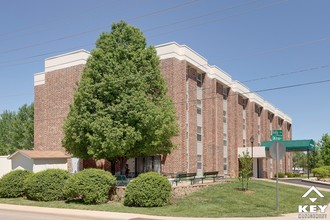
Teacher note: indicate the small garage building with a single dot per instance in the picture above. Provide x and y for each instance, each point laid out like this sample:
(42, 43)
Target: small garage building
(39, 160)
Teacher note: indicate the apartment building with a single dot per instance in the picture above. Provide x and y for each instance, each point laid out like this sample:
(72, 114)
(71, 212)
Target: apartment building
(217, 115)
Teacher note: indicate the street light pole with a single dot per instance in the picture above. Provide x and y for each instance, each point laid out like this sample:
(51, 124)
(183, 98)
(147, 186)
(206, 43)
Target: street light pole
(252, 140)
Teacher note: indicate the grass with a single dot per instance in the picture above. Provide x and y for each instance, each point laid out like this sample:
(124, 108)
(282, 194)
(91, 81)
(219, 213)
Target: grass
(224, 200)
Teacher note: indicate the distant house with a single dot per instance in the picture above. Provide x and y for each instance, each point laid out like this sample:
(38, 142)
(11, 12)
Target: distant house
(38, 160)
(5, 165)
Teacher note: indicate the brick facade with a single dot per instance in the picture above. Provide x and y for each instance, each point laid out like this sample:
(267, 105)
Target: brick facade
(54, 96)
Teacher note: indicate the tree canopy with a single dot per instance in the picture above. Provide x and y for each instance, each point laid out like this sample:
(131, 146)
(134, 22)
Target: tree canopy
(324, 145)
(120, 107)
(16, 130)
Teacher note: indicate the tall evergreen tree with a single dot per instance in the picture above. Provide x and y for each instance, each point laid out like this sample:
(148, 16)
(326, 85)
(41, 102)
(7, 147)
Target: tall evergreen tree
(16, 130)
(120, 108)
(23, 127)
(6, 132)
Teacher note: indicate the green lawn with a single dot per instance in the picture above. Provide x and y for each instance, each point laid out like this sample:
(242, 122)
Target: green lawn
(225, 200)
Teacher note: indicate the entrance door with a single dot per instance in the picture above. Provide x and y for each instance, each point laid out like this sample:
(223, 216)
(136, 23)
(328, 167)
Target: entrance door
(260, 168)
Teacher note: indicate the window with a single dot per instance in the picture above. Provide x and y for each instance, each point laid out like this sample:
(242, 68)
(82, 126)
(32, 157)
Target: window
(224, 120)
(199, 161)
(225, 136)
(224, 113)
(199, 102)
(244, 124)
(199, 110)
(199, 80)
(224, 142)
(224, 93)
(199, 133)
(225, 167)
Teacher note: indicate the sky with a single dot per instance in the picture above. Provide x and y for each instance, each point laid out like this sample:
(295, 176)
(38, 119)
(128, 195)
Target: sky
(263, 43)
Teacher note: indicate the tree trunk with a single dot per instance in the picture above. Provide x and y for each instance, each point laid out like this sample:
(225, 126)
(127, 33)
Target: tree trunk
(113, 166)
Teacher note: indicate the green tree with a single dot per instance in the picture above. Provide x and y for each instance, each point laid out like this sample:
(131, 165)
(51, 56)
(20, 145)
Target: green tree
(120, 108)
(315, 159)
(6, 132)
(324, 145)
(246, 163)
(23, 127)
(16, 130)
(299, 160)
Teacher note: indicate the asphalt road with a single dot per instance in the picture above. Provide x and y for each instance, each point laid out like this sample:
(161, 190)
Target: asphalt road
(298, 181)
(20, 215)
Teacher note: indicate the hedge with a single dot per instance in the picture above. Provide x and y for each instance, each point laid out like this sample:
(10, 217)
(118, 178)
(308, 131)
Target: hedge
(148, 190)
(91, 186)
(46, 185)
(11, 184)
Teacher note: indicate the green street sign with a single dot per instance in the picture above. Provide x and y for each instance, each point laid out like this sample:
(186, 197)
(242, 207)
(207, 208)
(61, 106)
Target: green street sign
(277, 132)
(277, 135)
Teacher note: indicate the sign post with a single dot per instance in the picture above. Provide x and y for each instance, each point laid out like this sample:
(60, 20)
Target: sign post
(277, 151)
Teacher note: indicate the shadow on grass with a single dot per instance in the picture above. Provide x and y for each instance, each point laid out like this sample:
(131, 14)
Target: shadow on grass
(246, 191)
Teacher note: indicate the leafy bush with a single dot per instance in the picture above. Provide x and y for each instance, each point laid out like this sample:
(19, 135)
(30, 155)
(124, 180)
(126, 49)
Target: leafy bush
(296, 175)
(327, 168)
(320, 172)
(90, 185)
(289, 175)
(148, 190)
(46, 185)
(11, 184)
(280, 175)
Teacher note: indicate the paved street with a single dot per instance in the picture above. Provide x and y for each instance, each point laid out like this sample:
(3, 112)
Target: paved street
(16, 212)
(300, 182)
(19, 215)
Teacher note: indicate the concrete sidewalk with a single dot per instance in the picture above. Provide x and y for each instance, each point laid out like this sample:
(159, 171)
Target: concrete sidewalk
(124, 216)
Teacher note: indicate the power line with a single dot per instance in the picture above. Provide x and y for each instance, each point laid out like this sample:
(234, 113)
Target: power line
(150, 14)
(66, 19)
(94, 29)
(256, 91)
(275, 50)
(261, 90)
(287, 74)
(201, 16)
(67, 37)
(221, 19)
(43, 54)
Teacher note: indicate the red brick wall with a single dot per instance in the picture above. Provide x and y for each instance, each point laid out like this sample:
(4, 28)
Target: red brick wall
(235, 131)
(53, 98)
(209, 123)
(52, 104)
(174, 72)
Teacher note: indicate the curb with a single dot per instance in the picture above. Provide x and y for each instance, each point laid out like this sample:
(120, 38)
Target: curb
(313, 181)
(86, 214)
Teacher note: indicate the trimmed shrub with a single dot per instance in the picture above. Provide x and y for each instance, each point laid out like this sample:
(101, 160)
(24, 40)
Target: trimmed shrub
(327, 168)
(91, 186)
(11, 184)
(148, 190)
(320, 172)
(280, 175)
(296, 175)
(46, 185)
(289, 175)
